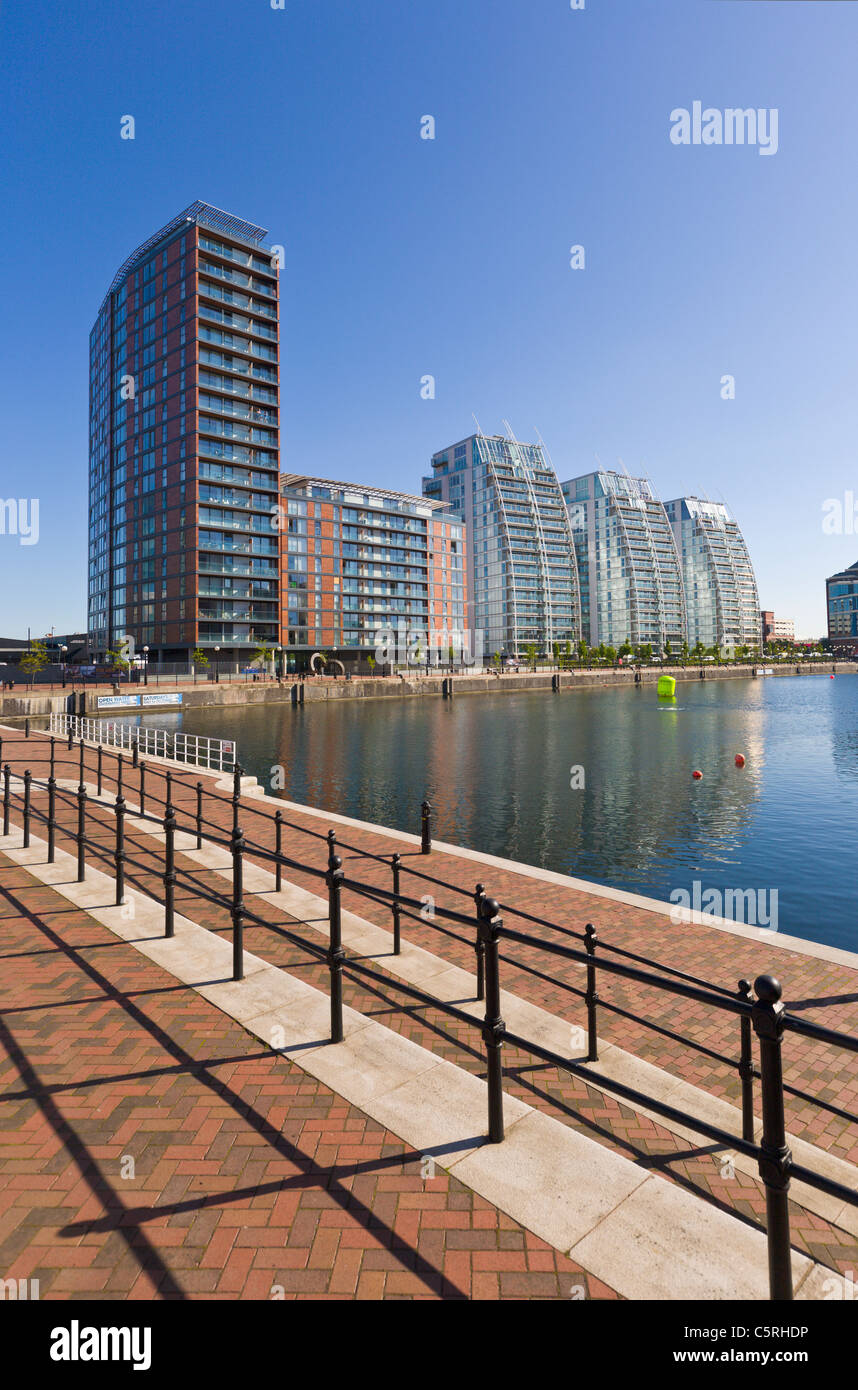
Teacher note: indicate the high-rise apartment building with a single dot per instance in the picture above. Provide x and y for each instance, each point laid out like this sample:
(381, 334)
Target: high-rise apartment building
(358, 560)
(183, 474)
(522, 575)
(722, 606)
(628, 566)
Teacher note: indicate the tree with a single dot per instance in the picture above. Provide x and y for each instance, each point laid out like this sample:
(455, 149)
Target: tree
(370, 661)
(118, 660)
(199, 658)
(568, 652)
(555, 649)
(531, 653)
(611, 655)
(583, 652)
(263, 655)
(35, 660)
(668, 650)
(684, 652)
(625, 650)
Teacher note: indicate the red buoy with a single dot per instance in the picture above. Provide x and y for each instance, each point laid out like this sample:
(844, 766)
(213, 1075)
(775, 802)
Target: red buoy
(740, 760)
(696, 775)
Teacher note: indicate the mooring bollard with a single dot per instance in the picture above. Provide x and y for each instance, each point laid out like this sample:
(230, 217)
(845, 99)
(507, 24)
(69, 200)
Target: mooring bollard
(493, 1026)
(746, 1065)
(28, 777)
(119, 851)
(199, 815)
(776, 1160)
(336, 954)
(237, 905)
(169, 869)
(81, 833)
(480, 945)
(426, 828)
(278, 849)
(396, 864)
(591, 996)
(7, 777)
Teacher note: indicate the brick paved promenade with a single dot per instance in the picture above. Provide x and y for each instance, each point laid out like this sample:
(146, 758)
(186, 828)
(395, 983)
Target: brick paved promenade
(822, 990)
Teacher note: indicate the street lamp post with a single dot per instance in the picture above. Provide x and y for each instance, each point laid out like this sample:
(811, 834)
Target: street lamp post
(217, 665)
(145, 665)
(63, 650)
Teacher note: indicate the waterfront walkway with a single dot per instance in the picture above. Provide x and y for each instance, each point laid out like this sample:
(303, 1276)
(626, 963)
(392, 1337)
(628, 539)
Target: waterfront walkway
(822, 985)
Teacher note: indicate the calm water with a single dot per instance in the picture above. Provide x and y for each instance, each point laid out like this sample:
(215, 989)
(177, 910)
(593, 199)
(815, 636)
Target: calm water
(497, 771)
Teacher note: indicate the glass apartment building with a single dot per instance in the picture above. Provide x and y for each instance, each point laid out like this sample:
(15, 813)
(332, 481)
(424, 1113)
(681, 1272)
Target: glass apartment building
(628, 566)
(184, 444)
(357, 560)
(522, 575)
(841, 597)
(721, 603)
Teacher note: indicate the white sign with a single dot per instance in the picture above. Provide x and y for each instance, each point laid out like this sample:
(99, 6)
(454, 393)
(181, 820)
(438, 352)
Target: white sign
(162, 699)
(118, 701)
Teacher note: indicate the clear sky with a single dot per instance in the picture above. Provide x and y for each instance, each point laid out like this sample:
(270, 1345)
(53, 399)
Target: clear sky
(407, 257)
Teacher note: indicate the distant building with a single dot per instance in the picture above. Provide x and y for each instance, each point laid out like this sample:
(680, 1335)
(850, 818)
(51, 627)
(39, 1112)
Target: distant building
(767, 623)
(777, 629)
(785, 628)
(841, 593)
(522, 575)
(628, 565)
(722, 608)
(357, 560)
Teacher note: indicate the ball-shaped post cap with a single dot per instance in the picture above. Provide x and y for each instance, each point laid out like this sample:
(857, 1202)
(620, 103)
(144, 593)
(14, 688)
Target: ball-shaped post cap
(336, 862)
(768, 989)
(489, 909)
(744, 986)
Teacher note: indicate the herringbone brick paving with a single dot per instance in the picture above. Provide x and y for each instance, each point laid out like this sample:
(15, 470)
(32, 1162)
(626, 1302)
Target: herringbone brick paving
(565, 1096)
(250, 1179)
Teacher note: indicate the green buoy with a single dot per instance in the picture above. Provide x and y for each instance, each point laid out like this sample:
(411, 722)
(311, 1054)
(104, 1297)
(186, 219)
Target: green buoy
(666, 688)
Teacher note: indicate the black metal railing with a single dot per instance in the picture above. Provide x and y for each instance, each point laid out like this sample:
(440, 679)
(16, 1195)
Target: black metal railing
(764, 1016)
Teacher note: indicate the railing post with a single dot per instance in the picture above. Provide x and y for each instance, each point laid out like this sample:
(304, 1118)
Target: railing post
(493, 1027)
(81, 833)
(278, 848)
(169, 868)
(7, 777)
(746, 1066)
(28, 777)
(776, 1159)
(119, 852)
(396, 865)
(426, 828)
(237, 905)
(143, 788)
(591, 997)
(135, 751)
(336, 954)
(236, 796)
(119, 773)
(199, 815)
(100, 771)
(332, 850)
(71, 734)
(480, 945)
(27, 727)
(53, 757)
(80, 764)
(52, 814)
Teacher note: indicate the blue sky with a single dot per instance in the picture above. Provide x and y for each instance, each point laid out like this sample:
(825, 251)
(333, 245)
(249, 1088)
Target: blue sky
(451, 257)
